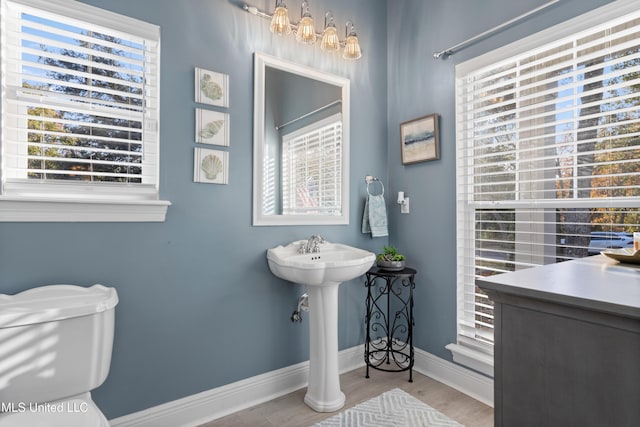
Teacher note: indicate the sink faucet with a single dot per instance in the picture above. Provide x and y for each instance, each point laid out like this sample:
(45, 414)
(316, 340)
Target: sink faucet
(312, 245)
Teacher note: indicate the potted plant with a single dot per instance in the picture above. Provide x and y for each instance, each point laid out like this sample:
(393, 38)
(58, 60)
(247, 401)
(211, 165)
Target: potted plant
(390, 259)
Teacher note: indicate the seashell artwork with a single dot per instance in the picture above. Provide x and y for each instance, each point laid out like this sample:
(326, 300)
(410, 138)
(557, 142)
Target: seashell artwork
(211, 87)
(210, 166)
(212, 127)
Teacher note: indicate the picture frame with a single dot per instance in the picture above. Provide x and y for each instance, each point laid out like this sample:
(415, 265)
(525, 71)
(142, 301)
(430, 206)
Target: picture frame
(212, 127)
(210, 166)
(211, 87)
(419, 139)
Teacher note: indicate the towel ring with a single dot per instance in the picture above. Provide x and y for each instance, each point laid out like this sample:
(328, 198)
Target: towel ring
(375, 180)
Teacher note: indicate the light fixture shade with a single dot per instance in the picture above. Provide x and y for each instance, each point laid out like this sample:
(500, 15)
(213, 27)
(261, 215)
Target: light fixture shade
(352, 48)
(330, 40)
(280, 23)
(306, 32)
(351, 44)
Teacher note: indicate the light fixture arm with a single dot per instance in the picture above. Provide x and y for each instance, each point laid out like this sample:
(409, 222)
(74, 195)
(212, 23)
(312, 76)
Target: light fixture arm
(349, 29)
(304, 9)
(328, 19)
(255, 11)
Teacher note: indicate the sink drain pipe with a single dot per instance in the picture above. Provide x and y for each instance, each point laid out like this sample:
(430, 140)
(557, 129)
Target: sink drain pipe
(303, 305)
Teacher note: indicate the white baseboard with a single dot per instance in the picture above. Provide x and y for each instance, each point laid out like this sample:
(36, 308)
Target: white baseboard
(472, 358)
(462, 379)
(197, 409)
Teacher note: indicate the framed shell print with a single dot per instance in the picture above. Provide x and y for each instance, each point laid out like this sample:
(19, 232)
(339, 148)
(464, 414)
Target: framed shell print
(211, 88)
(211, 166)
(212, 127)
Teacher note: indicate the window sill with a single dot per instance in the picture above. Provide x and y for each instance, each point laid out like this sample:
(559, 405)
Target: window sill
(20, 209)
(471, 358)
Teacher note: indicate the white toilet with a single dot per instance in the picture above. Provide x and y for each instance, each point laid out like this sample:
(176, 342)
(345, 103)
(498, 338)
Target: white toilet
(55, 347)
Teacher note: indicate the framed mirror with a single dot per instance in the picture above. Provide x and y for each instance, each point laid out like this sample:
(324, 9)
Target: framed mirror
(300, 145)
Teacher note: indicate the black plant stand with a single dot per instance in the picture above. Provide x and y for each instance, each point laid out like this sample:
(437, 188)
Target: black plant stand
(389, 320)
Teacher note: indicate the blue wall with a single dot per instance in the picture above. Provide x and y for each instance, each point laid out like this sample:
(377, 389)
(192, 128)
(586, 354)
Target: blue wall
(419, 85)
(198, 306)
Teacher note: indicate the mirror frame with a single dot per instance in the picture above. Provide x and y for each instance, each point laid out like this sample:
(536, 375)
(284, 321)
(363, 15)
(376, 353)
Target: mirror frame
(261, 62)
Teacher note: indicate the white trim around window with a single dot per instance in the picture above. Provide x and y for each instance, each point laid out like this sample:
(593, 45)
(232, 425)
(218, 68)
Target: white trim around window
(56, 210)
(547, 158)
(80, 114)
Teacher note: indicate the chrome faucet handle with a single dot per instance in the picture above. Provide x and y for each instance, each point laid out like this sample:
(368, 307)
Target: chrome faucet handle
(313, 244)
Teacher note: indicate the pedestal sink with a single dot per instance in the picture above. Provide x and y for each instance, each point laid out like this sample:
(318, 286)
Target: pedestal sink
(321, 273)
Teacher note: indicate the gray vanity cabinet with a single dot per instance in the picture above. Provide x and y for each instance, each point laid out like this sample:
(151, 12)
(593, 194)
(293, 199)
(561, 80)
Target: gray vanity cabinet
(567, 345)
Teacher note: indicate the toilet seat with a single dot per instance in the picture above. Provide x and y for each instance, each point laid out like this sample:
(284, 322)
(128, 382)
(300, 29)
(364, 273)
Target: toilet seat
(73, 412)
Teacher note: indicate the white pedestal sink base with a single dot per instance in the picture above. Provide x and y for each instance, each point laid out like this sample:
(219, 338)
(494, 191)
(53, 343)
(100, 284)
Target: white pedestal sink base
(323, 392)
(321, 271)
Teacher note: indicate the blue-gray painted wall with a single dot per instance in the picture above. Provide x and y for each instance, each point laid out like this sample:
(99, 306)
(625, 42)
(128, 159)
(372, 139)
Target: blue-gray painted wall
(419, 85)
(198, 306)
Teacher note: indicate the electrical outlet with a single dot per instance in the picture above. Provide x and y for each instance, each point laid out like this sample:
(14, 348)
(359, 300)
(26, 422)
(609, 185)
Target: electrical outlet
(404, 208)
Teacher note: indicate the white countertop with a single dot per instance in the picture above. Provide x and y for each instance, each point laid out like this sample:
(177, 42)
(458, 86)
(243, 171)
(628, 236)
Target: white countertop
(596, 282)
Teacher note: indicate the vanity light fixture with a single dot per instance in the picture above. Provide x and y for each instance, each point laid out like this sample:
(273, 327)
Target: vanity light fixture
(305, 32)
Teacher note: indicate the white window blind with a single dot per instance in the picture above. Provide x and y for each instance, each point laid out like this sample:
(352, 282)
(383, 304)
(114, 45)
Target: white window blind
(80, 102)
(548, 158)
(311, 172)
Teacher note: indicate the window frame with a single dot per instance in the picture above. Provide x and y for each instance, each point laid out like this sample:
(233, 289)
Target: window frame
(468, 351)
(107, 202)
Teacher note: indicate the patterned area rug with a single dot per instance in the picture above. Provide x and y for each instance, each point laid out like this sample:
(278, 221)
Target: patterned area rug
(395, 408)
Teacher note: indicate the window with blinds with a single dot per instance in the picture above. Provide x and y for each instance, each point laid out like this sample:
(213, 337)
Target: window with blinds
(311, 172)
(548, 158)
(80, 102)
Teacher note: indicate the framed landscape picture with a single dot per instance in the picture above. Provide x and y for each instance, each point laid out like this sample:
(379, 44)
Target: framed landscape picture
(419, 141)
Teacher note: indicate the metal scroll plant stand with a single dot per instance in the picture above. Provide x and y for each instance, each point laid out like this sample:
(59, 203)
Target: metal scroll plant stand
(389, 320)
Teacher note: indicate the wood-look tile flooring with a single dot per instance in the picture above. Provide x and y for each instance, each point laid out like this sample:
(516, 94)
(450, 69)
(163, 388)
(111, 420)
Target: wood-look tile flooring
(290, 410)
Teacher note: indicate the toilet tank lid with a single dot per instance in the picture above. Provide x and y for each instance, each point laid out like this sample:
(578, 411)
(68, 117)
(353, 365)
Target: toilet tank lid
(54, 302)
